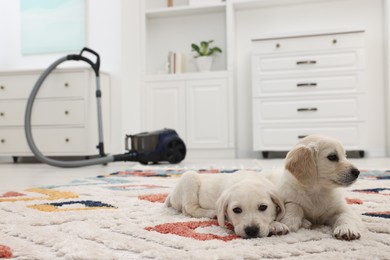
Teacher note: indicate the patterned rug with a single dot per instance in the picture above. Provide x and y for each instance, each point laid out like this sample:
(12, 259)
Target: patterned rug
(121, 216)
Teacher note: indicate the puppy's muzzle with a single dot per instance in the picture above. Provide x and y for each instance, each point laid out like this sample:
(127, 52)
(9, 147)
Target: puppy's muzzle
(252, 231)
(349, 177)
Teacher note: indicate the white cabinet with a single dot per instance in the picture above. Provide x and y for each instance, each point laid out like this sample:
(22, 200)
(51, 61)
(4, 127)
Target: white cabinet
(207, 113)
(308, 84)
(165, 106)
(196, 108)
(64, 117)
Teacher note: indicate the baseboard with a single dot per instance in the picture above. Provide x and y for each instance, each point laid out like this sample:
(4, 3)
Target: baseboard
(211, 153)
(248, 154)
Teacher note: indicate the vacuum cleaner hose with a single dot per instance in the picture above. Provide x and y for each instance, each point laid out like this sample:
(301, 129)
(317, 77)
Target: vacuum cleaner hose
(27, 122)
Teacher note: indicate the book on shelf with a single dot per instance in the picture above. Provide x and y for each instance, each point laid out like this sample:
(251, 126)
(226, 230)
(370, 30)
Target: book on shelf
(176, 62)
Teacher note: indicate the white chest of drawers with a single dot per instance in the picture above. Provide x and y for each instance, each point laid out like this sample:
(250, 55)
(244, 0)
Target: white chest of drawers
(64, 118)
(308, 84)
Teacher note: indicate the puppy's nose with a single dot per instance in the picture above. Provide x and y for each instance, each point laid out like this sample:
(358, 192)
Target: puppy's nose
(355, 172)
(252, 231)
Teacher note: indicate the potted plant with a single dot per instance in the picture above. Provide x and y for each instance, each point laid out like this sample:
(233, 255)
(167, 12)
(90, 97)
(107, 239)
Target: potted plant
(204, 53)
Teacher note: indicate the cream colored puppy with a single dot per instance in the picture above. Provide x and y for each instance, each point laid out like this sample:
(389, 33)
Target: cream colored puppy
(314, 170)
(246, 199)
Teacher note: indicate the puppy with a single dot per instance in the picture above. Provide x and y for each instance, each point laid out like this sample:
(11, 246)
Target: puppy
(314, 170)
(246, 199)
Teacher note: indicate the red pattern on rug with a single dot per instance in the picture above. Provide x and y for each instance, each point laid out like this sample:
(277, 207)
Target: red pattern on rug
(187, 229)
(12, 194)
(159, 197)
(354, 201)
(5, 252)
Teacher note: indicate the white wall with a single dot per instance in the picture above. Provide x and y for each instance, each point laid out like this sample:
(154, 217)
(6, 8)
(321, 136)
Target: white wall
(113, 31)
(131, 68)
(106, 34)
(320, 15)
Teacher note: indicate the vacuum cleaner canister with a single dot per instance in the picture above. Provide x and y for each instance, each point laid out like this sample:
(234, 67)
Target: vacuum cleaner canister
(157, 146)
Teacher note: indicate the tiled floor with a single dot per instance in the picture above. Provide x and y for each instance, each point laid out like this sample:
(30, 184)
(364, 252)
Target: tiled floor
(22, 175)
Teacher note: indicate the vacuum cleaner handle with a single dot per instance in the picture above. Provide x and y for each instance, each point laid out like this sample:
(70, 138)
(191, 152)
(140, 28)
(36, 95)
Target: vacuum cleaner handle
(97, 63)
(95, 66)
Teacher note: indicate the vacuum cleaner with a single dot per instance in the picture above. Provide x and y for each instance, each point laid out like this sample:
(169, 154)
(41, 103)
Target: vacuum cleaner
(148, 147)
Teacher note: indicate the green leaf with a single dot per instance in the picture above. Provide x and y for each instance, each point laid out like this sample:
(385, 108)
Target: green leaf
(196, 49)
(204, 48)
(214, 50)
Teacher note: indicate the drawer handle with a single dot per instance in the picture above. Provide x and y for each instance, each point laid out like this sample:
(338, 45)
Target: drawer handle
(2, 141)
(308, 84)
(306, 62)
(67, 140)
(307, 109)
(66, 112)
(301, 136)
(2, 87)
(2, 114)
(66, 84)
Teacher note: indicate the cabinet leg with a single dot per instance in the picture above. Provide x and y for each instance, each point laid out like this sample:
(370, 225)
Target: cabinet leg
(15, 159)
(265, 154)
(361, 153)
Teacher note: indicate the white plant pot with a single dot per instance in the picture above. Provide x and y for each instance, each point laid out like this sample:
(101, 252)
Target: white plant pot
(204, 63)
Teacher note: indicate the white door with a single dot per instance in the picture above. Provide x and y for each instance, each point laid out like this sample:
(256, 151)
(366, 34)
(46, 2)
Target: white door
(165, 106)
(207, 113)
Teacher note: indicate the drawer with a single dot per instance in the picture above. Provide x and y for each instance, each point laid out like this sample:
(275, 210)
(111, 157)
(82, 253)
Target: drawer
(340, 82)
(294, 43)
(335, 108)
(57, 84)
(55, 141)
(284, 138)
(309, 62)
(45, 112)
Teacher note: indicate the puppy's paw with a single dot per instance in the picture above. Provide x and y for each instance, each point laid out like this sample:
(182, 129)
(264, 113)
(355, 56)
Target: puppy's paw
(306, 224)
(346, 232)
(277, 228)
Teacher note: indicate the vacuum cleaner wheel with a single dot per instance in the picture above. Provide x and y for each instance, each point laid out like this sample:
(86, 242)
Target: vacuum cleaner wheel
(175, 151)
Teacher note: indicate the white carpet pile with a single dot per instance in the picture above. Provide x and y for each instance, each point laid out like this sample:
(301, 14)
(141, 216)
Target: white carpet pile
(120, 216)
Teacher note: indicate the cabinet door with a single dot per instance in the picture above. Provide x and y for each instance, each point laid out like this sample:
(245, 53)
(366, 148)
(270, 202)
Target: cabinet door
(165, 106)
(207, 113)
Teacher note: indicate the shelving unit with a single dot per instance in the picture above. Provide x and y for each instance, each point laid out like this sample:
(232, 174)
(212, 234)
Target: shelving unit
(174, 29)
(164, 32)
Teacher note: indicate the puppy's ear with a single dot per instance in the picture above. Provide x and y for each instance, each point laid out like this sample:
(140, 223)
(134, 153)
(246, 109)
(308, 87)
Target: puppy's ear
(280, 208)
(301, 163)
(222, 204)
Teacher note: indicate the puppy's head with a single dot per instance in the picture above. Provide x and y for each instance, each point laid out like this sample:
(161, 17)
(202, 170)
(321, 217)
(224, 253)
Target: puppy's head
(320, 160)
(250, 207)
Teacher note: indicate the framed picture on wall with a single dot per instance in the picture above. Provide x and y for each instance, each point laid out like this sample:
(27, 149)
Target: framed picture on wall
(49, 26)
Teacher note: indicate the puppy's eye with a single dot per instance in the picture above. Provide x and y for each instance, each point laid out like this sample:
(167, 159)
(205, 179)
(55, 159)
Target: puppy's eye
(237, 210)
(333, 157)
(263, 207)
